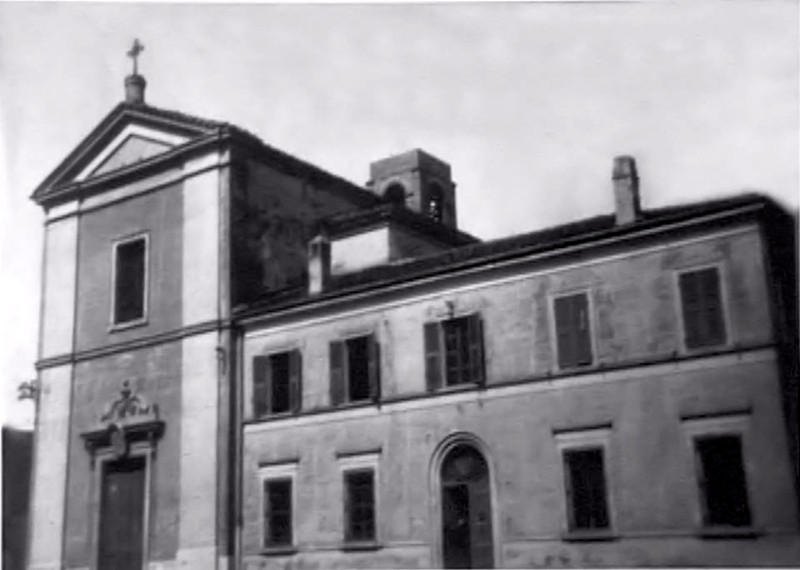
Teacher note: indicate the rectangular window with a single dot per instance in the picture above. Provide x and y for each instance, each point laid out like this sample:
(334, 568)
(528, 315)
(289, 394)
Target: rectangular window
(277, 512)
(454, 352)
(701, 304)
(722, 481)
(130, 274)
(277, 383)
(573, 330)
(359, 505)
(355, 370)
(585, 483)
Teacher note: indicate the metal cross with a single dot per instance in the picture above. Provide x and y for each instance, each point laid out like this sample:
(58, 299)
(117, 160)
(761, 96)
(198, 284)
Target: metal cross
(134, 52)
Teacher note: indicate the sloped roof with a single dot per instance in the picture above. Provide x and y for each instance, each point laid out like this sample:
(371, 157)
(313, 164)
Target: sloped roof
(582, 232)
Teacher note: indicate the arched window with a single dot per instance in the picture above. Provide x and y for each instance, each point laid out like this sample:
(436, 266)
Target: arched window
(435, 202)
(395, 193)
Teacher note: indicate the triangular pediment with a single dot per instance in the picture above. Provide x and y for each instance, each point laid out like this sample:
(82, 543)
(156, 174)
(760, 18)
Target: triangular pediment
(129, 135)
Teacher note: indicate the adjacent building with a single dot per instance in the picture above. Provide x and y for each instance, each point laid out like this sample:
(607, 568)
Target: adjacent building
(248, 362)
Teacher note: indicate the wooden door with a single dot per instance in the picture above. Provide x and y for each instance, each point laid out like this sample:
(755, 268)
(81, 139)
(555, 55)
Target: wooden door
(466, 510)
(122, 514)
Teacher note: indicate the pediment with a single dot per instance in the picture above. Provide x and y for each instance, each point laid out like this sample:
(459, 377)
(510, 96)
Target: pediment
(127, 136)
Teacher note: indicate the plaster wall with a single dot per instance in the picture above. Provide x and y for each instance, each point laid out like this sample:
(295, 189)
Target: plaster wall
(58, 304)
(361, 250)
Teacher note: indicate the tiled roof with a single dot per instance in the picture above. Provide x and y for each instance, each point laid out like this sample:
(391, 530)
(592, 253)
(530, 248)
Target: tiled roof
(549, 239)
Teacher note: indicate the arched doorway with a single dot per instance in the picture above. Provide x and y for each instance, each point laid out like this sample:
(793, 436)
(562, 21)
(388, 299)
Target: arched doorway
(466, 509)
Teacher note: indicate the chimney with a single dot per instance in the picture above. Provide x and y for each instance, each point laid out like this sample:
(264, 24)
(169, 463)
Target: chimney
(319, 263)
(626, 190)
(134, 89)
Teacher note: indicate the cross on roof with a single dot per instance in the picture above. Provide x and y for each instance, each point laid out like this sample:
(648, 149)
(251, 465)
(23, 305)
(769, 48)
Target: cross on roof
(134, 52)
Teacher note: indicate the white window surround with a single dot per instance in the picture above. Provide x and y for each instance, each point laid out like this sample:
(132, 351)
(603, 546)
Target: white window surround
(274, 472)
(723, 291)
(114, 326)
(553, 330)
(584, 439)
(362, 462)
(722, 423)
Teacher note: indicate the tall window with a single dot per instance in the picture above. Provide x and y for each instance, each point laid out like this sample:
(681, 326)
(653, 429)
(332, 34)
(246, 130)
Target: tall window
(130, 274)
(355, 370)
(454, 352)
(585, 484)
(573, 330)
(722, 481)
(435, 202)
(359, 505)
(701, 304)
(277, 383)
(277, 525)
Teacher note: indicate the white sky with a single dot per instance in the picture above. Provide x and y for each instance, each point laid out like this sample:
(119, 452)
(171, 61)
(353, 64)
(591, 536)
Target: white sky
(528, 102)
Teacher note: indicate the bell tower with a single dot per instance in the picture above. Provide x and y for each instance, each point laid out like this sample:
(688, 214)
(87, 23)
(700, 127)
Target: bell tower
(419, 181)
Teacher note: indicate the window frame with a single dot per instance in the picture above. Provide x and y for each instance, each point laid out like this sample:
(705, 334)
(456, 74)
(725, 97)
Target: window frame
(295, 407)
(360, 463)
(552, 297)
(708, 426)
(441, 353)
(724, 307)
(586, 439)
(277, 472)
(116, 244)
(373, 347)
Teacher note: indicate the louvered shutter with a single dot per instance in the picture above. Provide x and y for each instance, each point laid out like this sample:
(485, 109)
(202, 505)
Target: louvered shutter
(712, 305)
(476, 359)
(337, 358)
(690, 304)
(563, 315)
(701, 480)
(433, 356)
(266, 512)
(348, 509)
(295, 381)
(374, 368)
(480, 514)
(262, 372)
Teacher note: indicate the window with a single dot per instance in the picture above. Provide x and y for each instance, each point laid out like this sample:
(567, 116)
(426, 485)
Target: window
(585, 485)
(722, 481)
(701, 305)
(277, 383)
(277, 512)
(130, 280)
(435, 202)
(355, 370)
(359, 505)
(396, 194)
(454, 352)
(573, 330)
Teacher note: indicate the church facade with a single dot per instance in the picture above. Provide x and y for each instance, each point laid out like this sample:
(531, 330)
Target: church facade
(249, 362)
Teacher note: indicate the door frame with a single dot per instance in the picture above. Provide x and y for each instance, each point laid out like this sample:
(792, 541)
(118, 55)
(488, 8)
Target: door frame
(435, 492)
(139, 449)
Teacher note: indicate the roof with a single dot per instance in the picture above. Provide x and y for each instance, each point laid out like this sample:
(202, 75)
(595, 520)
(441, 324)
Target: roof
(355, 220)
(582, 232)
(202, 130)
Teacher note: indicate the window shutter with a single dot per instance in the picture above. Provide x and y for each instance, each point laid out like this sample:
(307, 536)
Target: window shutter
(690, 304)
(563, 315)
(433, 356)
(295, 381)
(568, 491)
(476, 340)
(265, 538)
(480, 514)
(582, 329)
(337, 352)
(374, 368)
(262, 372)
(701, 480)
(348, 510)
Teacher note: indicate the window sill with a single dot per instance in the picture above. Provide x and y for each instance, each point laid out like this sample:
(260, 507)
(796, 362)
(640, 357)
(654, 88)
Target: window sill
(115, 327)
(728, 532)
(278, 551)
(589, 535)
(361, 546)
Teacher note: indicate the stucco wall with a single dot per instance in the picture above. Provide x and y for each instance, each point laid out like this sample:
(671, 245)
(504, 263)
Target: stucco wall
(160, 215)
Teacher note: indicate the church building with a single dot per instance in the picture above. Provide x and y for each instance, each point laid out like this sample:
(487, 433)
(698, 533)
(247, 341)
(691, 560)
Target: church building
(248, 362)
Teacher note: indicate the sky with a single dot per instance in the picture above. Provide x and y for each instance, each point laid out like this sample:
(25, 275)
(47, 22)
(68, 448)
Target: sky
(529, 103)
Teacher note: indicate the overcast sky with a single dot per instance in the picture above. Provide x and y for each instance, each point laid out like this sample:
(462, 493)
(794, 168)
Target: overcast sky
(529, 103)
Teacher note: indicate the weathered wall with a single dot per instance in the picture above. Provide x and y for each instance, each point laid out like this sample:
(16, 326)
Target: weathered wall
(274, 216)
(635, 317)
(361, 250)
(406, 244)
(160, 214)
